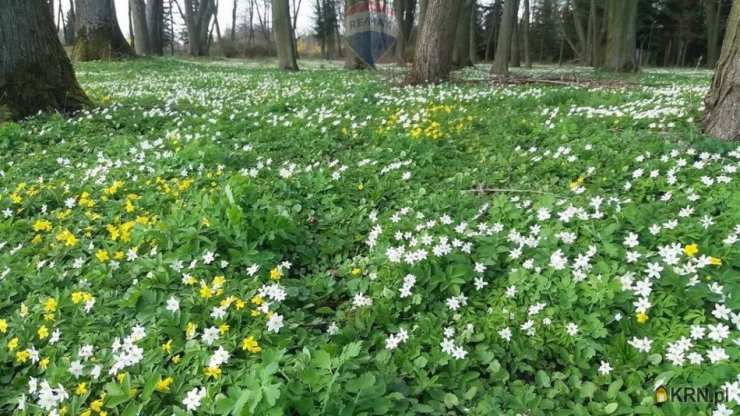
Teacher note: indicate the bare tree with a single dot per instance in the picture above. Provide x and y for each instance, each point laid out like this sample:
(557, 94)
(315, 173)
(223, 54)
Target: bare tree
(35, 73)
(97, 34)
(197, 16)
(155, 25)
(722, 117)
(433, 58)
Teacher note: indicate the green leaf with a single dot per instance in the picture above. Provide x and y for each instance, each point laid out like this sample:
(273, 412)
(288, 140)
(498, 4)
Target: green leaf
(611, 408)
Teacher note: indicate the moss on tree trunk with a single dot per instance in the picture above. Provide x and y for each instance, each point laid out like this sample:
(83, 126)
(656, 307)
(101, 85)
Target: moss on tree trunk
(97, 35)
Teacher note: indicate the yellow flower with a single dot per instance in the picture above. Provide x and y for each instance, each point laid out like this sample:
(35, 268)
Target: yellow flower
(250, 344)
(81, 389)
(102, 255)
(50, 305)
(205, 222)
(86, 412)
(22, 356)
(576, 183)
(113, 188)
(176, 359)
(67, 238)
(239, 304)
(190, 280)
(164, 385)
(113, 231)
(42, 332)
(219, 281)
(205, 291)
(44, 363)
(642, 317)
(37, 239)
(691, 250)
(223, 328)
(97, 405)
(167, 347)
(213, 372)
(86, 201)
(275, 274)
(257, 300)
(190, 329)
(120, 377)
(119, 255)
(356, 271)
(15, 198)
(714, 261)
(3, 326)
(42, 225)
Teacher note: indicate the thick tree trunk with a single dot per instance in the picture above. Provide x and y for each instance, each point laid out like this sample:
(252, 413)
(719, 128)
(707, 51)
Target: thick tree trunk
(197, 17)
(283, 35)
(97, 34)
(503, 44)
(35, 73)
(434, 48)
(621, 38)
(461, 51)
(722, 117)
(141, 32)
(155, 25)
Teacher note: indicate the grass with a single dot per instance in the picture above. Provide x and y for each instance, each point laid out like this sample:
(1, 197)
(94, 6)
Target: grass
(217, 238)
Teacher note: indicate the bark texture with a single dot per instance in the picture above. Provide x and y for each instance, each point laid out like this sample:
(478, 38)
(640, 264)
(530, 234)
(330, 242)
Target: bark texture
(35, 73)
(97, 34)
(155, 25)
(461, 51)
(198, 14)
(621, 37)
(140, 30)
(722, 117)
(283, 35)
(503, 44)
(433, 58)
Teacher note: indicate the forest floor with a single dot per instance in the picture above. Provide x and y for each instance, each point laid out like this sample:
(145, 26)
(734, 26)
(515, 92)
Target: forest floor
(218, 238)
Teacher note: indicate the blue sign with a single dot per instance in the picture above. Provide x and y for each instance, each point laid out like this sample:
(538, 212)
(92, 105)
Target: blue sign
(371, 29)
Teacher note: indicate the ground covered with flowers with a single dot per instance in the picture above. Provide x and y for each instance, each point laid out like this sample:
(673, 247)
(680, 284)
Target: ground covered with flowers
(227, 240)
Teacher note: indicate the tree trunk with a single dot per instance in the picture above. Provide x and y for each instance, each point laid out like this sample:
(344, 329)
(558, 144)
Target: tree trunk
(712, 13)
(233, 21)
(503, 44)
(155, 25)
(515, 59)
(283, 35)
(35, 73)
(97, 34)
(434, 47)
(461, 51)
(621, 38)
(197, 17)
(405, 13)
(525, 35)
(722, 117)
(140, 30)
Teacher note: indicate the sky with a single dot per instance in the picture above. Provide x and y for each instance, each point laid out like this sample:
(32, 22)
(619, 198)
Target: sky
(304, 26)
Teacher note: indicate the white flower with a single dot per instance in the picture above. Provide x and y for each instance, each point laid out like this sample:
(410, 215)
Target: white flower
(642, 345)
(558, 261)
(571, 329)
(717, 354)
(275, 323)
(718, 332)
(173, 305)
(208, 257)
(75, 368)
(210, 335)
(605, 368)
(505, 333)
(193, 398)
